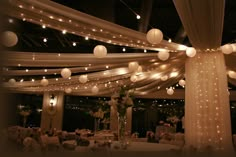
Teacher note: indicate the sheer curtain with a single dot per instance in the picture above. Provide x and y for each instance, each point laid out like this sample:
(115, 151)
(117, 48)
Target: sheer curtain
(57, 118)
(207, 109)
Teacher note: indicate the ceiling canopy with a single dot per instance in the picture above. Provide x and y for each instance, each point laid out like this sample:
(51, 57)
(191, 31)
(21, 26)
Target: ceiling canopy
(54, 36)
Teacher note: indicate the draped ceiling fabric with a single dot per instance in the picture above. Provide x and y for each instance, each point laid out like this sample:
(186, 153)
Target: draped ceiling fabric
(47, 13)
(106, 79)
(207, 109)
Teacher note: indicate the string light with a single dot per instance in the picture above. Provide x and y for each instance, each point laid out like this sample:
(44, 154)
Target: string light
(138, 17)
(10, 20)
(64, 31)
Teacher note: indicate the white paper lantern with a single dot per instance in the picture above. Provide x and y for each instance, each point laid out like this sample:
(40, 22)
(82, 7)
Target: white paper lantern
(65, 73)
(95, 89)
(164, 78)
(170, 91)
(182, 82)
(191, 52)
(100, 51)
(232, 74)
(133, 66)
(234, 47)
(12, 81)
(226, 49)
(44, 82)
(68, 90)
(9, 38)
(133, 78)
(154, 36)
(163, 55)
(83, 78)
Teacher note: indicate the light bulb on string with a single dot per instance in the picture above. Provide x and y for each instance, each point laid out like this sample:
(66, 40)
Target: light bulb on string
(138, 17)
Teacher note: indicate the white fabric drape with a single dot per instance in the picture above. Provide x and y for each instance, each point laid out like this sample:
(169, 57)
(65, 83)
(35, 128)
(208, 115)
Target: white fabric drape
(81, 24)
(207, 109)
(203, 21)
(57, 118)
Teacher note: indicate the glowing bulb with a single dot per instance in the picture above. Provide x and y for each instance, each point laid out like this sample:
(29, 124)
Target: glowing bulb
(64, 31)
(138, 17)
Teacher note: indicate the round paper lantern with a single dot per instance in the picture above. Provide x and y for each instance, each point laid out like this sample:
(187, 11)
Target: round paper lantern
(182, 82)
(9, 38)
(95, 89)
(133, 66)
(191, 52)
(154, 36)
(68, 90)
(83, 78)
(234, 47)
(232, 74)
(170, 91)
(65, 73)
(133, 78)
(226, 49)
(12, 81)
(44, 82)
(164, 78)
(100, 51)
(163, 55)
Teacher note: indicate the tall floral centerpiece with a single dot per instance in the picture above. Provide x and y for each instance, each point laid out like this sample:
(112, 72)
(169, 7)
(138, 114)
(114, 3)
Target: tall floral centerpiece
(24, 111)
(122, 100)
(173, 120)
(100, 114)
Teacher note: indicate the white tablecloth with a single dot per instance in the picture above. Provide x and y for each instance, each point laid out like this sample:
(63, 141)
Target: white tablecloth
(138, 147)
(144, 146)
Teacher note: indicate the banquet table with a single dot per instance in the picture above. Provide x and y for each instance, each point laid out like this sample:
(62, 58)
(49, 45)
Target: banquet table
(134, 149)
(141, 149)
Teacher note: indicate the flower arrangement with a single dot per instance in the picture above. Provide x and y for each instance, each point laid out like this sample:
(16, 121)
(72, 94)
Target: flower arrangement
(98, 114)
(122, 100)
(101, 114)
(101, 110)
(173, 119)
(24, 111)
